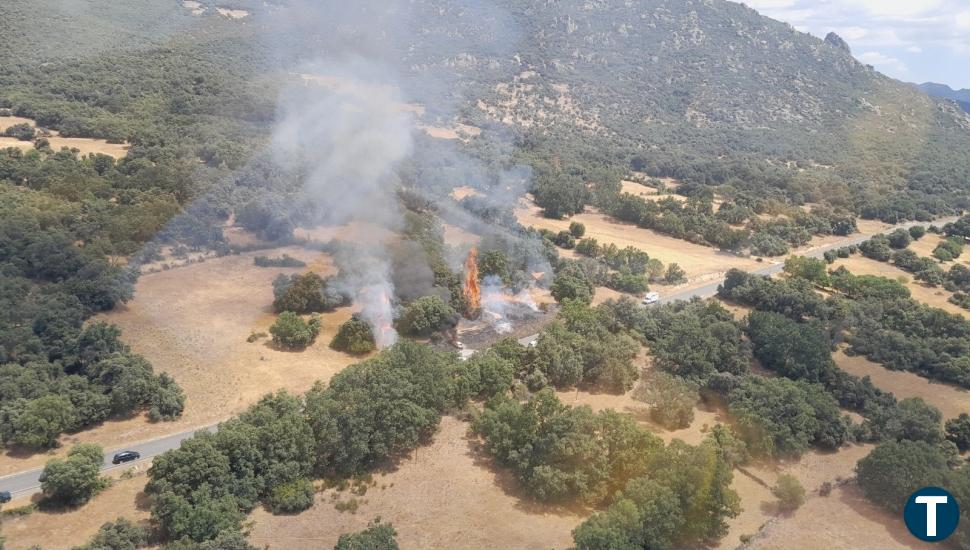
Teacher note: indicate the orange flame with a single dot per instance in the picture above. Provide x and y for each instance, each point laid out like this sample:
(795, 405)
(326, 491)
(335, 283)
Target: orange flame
(472, 291)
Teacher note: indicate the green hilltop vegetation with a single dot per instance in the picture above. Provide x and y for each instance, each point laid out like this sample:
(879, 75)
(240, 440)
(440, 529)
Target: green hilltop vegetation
(730, 104)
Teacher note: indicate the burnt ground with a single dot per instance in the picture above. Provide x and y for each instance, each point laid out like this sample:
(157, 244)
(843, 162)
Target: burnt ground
(478, 335)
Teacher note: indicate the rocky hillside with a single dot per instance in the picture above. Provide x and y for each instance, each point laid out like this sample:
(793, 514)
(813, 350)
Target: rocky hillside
(962, 97)
(702, 90)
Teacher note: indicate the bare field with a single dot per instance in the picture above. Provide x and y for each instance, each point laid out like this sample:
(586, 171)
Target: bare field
(459, 193)
(458, 131)
(232, 14)
(843, 520)
(85, 146)
(951, 400)
(926, 245)
(935, 297)
(192, 322)
(752, 482)
(604, 294)
(455, 235)
(447, 495)
(648, 193)
(359, 232)
(65, 529)
(700, 262)
(195, 7)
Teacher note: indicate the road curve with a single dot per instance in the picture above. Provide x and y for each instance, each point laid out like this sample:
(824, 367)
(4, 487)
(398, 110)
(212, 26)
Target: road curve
(28, 482)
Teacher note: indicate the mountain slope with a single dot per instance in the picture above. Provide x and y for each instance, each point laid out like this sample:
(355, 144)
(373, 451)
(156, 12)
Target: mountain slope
(707, 91)
(962, 97)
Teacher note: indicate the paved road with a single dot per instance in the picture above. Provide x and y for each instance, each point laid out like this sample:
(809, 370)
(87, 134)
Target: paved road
(27, 482)
(771, 267)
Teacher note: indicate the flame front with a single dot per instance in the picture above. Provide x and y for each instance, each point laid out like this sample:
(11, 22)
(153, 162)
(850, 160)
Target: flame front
(472, 291)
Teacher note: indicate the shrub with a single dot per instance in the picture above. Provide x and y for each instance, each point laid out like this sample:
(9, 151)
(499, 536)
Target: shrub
(427, 315)
(292, 497)
(285, 261)
(900, 239)
(119, 535)
(307, 293)
(290, 331)
(377, 536)
(671, 399)
(950, 249)
(675, 275)
(764, 244)
(22, 131)
(577, 229)
(74, 480)
(958, 431)
(582, 455)
(486, 374)
(565, 239)
(877, 248)
(917, 232)
(588, 247)
(354, 337)
(778, 417)
(573, 284)
(789, 492)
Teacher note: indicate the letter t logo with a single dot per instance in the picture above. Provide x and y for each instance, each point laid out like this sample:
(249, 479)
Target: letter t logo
(930, 502)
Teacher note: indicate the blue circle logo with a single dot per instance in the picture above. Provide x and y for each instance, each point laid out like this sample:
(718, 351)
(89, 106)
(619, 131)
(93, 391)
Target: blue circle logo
(931, 514)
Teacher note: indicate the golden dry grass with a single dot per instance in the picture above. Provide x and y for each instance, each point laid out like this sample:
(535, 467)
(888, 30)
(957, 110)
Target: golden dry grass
(455, 235)
(702, 263)
(951, 400)
(448, 495)
(935, 297)
(85, 146)
(459, 193)
(57, 530)
(843, 520)
(192, 322)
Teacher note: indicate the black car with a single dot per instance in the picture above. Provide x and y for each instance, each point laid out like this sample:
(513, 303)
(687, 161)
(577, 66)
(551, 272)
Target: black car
(125, 456)
(5, 497)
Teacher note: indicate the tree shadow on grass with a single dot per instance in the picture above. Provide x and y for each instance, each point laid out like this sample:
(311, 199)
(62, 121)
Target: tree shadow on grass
(506, 481)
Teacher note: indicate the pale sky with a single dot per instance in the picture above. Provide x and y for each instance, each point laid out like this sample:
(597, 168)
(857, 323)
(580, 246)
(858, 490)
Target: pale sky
(911, 40)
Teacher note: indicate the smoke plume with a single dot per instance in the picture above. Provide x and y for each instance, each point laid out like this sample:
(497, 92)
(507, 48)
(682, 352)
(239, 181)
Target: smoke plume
(348, 140)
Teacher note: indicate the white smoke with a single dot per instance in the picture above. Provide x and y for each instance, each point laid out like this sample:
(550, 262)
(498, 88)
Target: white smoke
(349, 140)
(498, 303)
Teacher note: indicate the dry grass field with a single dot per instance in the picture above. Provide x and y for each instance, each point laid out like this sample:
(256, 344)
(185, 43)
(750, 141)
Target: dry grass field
(935, 297)
(951, 400)
(446, 496)
(701, 263)
(192, 322)
(85, 146)
(843, 520)
(61, 530)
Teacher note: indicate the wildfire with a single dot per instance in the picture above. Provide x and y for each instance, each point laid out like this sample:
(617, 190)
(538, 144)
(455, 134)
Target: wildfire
(472, 290)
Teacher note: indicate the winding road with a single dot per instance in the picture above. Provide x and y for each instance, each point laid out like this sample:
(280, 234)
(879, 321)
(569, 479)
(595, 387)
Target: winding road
(27, 483)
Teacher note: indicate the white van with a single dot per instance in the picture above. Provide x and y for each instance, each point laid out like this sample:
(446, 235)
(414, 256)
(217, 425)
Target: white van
(651, 298)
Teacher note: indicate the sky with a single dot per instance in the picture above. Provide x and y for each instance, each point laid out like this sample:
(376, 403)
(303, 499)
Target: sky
(911, 40)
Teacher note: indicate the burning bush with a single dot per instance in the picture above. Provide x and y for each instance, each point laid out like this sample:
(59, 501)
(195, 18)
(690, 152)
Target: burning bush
(290, 331)
(355, 337)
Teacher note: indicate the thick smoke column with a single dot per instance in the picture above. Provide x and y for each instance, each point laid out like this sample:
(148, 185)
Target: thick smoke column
(348, 141)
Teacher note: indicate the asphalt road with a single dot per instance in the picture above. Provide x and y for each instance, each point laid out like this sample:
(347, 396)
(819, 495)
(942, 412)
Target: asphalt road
(28, 482)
